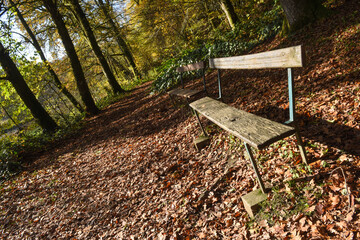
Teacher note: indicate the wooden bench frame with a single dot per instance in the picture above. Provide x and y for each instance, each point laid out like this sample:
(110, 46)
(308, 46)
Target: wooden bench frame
(253, 130)
(188, 93)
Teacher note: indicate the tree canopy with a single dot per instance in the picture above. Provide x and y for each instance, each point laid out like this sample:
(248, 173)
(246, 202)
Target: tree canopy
(91, 49)
(76, 55)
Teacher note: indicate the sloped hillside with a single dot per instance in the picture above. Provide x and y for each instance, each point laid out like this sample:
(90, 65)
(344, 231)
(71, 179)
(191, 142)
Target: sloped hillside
(132, 171)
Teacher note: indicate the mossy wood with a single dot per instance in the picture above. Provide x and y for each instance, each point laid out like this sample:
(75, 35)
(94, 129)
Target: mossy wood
(257, 131)
(252, 201)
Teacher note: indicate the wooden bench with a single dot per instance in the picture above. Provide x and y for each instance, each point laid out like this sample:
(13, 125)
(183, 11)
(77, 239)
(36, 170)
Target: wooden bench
(253, 130)
(188, 93)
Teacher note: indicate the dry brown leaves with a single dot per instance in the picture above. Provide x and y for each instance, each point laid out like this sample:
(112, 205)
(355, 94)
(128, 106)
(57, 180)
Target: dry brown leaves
(132, 172)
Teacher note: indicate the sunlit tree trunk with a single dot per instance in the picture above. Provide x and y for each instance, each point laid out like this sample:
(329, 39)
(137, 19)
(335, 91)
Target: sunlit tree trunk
(230, 13)
(36, 45)
(301, 12)
(120, 41)
(18, 82)
(81, 17)
(82, 85)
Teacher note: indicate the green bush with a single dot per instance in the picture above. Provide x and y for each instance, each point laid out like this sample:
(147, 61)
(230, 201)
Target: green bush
(14, 145)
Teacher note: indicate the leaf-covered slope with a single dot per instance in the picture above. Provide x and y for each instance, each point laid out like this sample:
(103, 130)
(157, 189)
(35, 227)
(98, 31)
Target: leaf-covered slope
(132, 171)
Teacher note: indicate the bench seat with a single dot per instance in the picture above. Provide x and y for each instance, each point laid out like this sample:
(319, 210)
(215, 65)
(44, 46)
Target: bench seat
(187, 93)
(256, 131)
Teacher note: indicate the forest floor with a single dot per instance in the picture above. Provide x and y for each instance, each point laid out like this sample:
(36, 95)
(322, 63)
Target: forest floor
(132, 171)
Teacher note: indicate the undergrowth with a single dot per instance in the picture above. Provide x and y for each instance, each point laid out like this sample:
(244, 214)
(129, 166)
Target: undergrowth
(246, 35)
(13, 146)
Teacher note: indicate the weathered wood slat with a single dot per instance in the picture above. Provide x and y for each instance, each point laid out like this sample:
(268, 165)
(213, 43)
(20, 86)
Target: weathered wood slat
(281, 58)
(191, 67)
(188, 93)
(257, 131)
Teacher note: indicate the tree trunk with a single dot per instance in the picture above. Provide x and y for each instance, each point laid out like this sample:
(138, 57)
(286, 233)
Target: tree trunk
(120, 41)
(210, 19)
(18, 82)
(301, 12)
(230, 13)
(81, 17)
(36, 45)
(9, 116)
(82, 85)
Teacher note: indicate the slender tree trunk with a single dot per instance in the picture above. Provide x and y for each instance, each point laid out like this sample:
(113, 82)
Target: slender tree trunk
(18, 82)
(209, 18)
(117, 65)
(230, 13)
(82, 85)
(120, 41)
(36, 45)
(81, 17)
(9, 116)
(301, 12)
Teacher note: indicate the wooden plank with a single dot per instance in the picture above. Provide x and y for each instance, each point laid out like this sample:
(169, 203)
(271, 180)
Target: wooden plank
(257, 131)
(281, 58)
(191, 67)
(188, 93)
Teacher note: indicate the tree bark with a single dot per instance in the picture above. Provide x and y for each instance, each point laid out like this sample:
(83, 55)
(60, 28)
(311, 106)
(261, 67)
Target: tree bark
(36, 45)
(230, 13)
(120, 41)
(81, 17)
(18, 82)
(301, 12)
(82, 85)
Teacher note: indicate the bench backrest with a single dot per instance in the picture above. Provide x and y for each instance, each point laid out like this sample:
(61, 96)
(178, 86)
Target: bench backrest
(282, 58)
(192, 67)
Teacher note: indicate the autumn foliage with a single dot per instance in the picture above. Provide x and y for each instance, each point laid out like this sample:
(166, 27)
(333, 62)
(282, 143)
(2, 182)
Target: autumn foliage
(132, 172)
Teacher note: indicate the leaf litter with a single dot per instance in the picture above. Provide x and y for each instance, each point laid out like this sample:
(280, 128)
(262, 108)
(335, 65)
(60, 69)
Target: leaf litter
(132, 172)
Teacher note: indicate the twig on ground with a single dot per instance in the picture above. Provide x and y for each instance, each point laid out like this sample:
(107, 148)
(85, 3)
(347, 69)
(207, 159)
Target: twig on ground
(346, 186)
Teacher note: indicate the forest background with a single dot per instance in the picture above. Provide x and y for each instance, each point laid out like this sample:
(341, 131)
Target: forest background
(78, 56)
(64, 60)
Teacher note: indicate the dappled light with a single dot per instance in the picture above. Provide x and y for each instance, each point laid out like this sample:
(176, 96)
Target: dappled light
(101, 136)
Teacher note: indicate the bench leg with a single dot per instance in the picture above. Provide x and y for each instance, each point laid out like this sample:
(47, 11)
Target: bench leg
(201, 126)
(248, 149)
(301, 145)
(188, 105)
(172, 100)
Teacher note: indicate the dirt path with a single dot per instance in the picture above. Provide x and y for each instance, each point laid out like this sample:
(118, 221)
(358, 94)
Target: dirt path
(132, 171)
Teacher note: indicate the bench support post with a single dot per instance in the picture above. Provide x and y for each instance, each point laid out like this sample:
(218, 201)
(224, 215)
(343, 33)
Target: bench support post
(252, 160)
(292, 115)
(219, 83)
(300, 145)
(182, 81)
(291, 96)
(203, 77)
(201, 126)
(172, 100)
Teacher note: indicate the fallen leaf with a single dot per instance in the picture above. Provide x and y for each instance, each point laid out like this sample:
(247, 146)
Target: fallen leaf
(349, 216)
